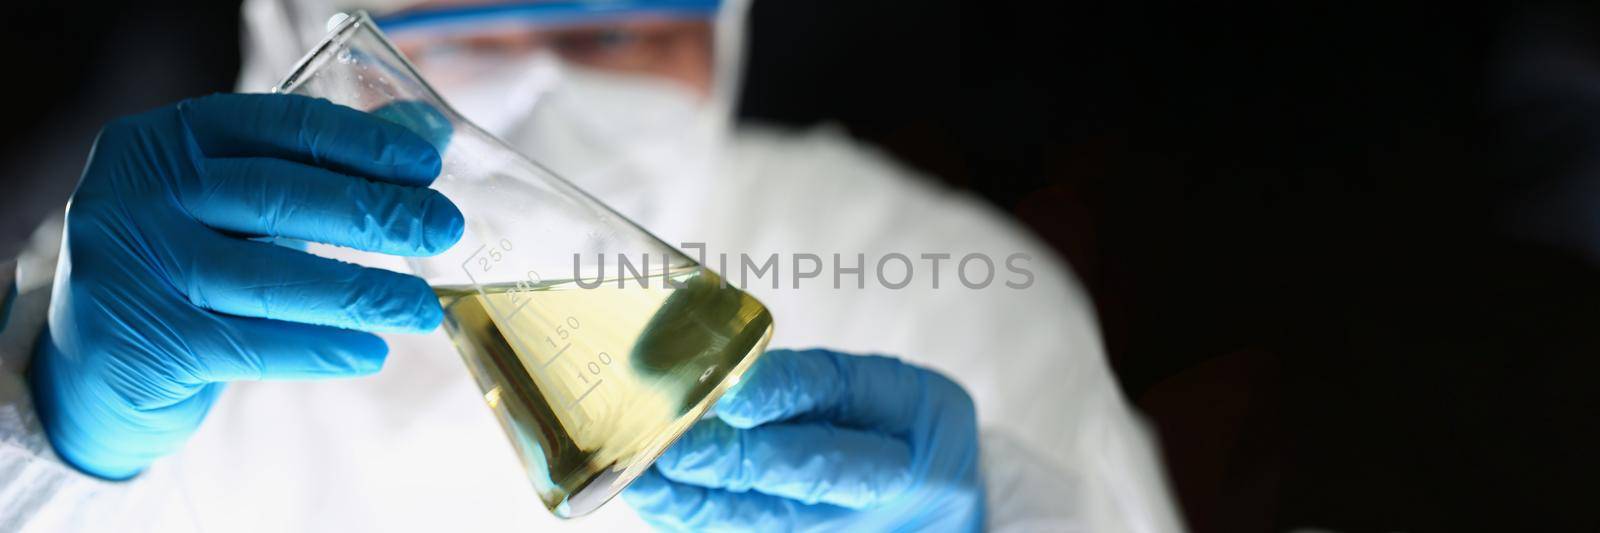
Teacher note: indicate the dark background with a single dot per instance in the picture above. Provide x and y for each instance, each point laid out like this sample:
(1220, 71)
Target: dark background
(1343, 255)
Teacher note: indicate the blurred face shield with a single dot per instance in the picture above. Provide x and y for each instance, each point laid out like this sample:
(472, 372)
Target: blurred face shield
(614, 95)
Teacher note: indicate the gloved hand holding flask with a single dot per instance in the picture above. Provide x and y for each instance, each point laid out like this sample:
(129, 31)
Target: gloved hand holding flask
(823, 441)
(161, 296)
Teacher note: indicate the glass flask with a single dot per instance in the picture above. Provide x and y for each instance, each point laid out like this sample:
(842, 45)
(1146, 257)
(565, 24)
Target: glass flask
(595, 344)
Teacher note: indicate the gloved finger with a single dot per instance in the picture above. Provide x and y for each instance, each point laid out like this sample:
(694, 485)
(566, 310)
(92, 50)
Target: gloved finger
(312, 131)
(253, 279)
(675, 506)
(861, 391)
(421, 118)
(810, 463)
(280, 198)
(254, 348)
(292, 244)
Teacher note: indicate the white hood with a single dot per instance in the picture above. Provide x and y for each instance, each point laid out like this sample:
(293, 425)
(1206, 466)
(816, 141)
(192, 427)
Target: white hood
(276, 33)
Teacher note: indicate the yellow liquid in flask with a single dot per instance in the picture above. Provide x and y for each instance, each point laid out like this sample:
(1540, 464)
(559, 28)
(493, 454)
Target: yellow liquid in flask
(592, 384)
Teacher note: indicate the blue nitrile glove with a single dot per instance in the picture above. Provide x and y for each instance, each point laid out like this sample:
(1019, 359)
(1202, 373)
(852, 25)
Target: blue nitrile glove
(822, 441)
(161, 295)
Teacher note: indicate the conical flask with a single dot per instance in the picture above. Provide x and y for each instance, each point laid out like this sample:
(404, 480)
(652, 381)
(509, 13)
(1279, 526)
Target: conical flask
(595, 344)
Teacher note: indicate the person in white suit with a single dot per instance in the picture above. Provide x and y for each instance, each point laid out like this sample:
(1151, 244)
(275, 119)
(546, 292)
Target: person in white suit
(996, 408)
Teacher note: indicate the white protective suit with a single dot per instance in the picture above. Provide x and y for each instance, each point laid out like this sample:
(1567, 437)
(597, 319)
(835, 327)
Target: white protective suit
(413, 448)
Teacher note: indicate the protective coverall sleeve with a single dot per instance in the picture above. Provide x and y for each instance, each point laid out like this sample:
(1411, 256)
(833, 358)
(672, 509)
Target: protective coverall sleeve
(1023, 491)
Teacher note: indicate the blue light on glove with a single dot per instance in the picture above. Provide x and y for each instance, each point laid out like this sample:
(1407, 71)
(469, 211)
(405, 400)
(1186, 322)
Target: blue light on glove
(822, 441)
(161, 294)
